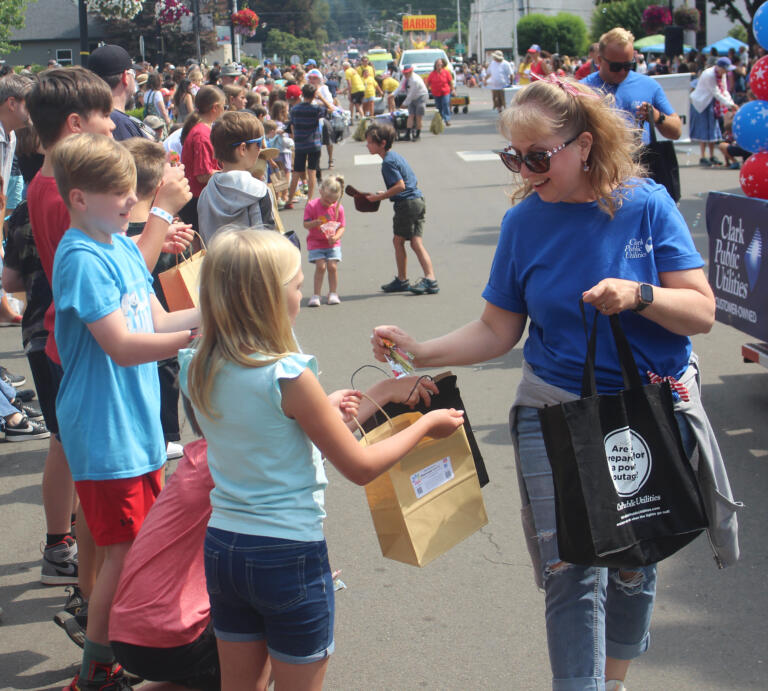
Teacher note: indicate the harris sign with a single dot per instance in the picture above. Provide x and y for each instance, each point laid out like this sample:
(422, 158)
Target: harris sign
(738, 228)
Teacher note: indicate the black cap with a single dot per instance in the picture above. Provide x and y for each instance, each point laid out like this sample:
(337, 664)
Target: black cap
(108, 60)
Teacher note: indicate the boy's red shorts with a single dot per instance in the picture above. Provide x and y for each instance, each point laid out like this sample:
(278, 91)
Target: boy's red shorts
(115, 509)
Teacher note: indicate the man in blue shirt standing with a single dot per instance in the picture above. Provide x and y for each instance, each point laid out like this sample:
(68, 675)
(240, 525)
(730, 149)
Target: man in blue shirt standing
(637, 94)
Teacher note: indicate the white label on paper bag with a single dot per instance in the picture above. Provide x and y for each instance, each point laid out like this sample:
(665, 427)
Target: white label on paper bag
(629, 460)
(432, 477)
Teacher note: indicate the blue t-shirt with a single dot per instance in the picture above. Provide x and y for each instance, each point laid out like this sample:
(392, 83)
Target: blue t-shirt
(110, 415)
(550, 253)
(269, 477)
(634, 90)
(395, 168)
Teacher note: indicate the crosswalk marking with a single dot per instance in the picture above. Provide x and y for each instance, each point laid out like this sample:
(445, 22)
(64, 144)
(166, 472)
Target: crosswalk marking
(475, 156)
(367, 159)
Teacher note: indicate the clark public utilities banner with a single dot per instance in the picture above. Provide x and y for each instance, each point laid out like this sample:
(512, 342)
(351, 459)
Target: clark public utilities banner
(738, 227)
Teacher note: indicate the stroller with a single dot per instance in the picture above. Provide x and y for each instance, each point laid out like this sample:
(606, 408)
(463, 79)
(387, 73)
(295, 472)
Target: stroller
(340, 124)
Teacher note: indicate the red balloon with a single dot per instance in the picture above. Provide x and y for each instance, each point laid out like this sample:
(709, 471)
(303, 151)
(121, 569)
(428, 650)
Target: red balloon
(754, 176)
(758, 79)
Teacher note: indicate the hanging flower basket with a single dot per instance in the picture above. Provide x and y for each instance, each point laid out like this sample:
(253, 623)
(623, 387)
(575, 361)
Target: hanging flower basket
(655, 18)
(115, 9)
(687, 17)
(245, 22)
(170, 12)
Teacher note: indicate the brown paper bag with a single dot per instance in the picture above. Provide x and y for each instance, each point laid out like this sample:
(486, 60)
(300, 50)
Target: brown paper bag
(181, 283)
(427, 502)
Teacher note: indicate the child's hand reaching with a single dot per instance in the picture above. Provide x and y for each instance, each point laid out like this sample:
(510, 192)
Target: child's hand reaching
(347, 402)
(443, 422)
(177, 238)
(409, 390)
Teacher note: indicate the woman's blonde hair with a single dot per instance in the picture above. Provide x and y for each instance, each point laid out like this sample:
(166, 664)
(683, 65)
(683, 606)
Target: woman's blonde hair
(568, 108)
(242, 306)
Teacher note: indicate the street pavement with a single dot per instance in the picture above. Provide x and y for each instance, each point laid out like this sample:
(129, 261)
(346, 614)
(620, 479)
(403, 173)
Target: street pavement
(472, 619)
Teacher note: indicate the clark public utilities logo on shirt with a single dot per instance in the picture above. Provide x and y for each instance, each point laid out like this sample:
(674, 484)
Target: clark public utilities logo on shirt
(637, 248)
(629, 460)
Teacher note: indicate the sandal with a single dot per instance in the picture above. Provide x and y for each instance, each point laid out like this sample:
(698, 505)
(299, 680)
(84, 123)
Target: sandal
(330, 163)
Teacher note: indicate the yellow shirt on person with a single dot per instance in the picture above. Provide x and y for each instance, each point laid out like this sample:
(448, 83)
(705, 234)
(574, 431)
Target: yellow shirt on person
(388, 85)
(370, 86)
(354, 80)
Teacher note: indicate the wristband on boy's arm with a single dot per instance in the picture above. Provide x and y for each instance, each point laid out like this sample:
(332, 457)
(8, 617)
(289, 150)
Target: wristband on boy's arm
(161, 213)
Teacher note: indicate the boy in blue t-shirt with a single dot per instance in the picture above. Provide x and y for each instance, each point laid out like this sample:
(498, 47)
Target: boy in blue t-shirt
(110, 330)
(410, 211)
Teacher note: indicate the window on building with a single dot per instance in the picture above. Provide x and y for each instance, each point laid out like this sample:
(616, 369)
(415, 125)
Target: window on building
(64, 56)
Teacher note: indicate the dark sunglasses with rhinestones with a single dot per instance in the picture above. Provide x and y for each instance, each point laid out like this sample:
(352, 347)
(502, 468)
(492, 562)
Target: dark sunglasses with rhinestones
(535, 161)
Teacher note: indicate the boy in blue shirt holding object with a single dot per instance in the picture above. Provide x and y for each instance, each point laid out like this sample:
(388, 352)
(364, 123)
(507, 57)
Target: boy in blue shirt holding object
(410, 211)
(110, 330)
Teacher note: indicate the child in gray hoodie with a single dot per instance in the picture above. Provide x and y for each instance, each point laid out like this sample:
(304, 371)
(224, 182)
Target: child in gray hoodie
(233, 197)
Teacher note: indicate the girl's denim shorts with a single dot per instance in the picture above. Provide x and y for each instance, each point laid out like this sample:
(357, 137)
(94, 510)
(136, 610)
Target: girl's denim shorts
(330, 254)
(265, 588)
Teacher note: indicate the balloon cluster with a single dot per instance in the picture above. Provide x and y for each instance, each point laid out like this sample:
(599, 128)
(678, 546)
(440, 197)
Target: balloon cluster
(750, 124)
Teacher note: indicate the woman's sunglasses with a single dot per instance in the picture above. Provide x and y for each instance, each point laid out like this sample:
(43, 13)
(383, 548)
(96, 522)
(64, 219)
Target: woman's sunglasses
(535, 161)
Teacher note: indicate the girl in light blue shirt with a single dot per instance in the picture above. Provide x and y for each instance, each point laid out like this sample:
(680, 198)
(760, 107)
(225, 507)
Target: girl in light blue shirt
(268, 422)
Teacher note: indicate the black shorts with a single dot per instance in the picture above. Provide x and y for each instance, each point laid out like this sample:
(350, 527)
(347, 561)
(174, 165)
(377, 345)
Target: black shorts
(357, 96)
(195, 665)
(304, 159)
(408, 221)
(47, 376)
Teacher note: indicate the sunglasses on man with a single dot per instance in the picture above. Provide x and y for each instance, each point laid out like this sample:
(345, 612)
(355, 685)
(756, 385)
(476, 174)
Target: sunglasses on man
(622, 66)
(535, 161)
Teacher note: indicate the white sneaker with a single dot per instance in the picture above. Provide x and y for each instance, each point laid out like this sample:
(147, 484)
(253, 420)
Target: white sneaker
(174, 450)
(333, 299)
(314, 301)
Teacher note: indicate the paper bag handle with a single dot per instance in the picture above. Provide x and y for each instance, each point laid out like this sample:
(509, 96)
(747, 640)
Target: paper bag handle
(381, 410)
(186, 259)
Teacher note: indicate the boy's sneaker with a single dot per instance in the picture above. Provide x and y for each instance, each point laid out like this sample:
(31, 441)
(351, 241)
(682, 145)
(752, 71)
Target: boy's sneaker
(74, 617)
(333, 299)
(116, 680)
(715, 161)
(25, 395)
(173, 450)
(31, 411)
(25, 430)
(396, 286)
(60, 563)
(734, 166)
(425, 286)
(15, 380)
(314, 301)
(705, 162)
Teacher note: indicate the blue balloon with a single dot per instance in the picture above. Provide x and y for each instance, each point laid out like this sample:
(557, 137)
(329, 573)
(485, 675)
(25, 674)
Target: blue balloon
(760, 25)
(750, 126)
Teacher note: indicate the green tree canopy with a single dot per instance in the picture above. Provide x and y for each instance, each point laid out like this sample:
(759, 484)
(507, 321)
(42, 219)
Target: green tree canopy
(741, 12)
(571, 34)
(627, 14)
(12, 14)
(537, 28)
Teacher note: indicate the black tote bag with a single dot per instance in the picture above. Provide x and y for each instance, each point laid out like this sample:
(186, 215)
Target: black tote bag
(661, 160)
(625, 492)
(448, 396)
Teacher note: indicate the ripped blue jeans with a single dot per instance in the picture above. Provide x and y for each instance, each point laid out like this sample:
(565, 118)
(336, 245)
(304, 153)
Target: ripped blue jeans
(591, 612)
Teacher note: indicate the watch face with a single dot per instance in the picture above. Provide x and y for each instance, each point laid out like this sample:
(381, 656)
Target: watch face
(646, 292)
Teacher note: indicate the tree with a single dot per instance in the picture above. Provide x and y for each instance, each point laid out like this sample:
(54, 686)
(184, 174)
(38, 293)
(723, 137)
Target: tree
(732, 10)
(12, 15)
(538, 28)
(284, 45)
(571, 34)
(627, 14)
(739, 32)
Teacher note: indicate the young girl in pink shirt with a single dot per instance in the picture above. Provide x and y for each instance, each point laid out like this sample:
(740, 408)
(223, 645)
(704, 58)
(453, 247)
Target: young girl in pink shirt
(324, 219)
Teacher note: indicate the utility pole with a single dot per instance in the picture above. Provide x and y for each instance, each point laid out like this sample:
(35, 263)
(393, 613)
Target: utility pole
(232, 35)
(196, 25)
(82, 13)
(458, 19)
